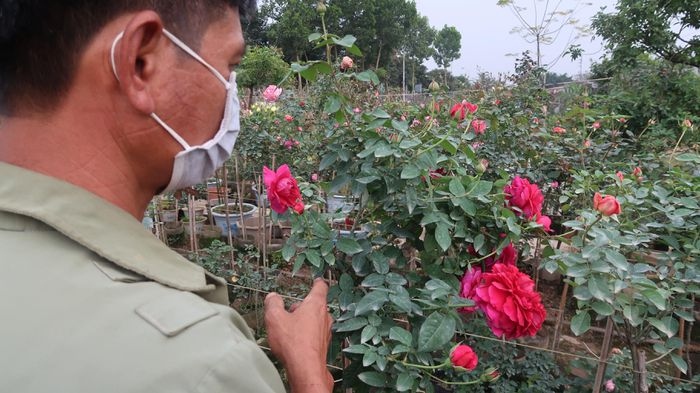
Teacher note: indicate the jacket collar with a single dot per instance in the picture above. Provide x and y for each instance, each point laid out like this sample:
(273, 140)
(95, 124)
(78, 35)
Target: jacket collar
(101, 227)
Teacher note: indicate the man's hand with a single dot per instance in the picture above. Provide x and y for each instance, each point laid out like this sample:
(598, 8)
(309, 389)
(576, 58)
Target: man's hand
(299, 338)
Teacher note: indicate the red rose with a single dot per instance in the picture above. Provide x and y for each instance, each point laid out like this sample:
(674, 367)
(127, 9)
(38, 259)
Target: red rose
(545, 221)
(282, 190)
(470, 280)
(479, 126)
(606, 205)
(460, 110)
(464, 356)
(513, 309)
(525, 196)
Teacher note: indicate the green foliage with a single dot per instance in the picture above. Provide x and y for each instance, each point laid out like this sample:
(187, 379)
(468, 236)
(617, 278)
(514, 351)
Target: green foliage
(667, 29)
(216, 258)
(653, 94)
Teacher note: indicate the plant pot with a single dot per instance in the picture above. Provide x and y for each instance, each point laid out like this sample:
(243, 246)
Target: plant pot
(198, 225)
(174, 232)
(254, 229)
(234, 216)
(343, 203)
(208, 234)
(168, 215)
(345, 229)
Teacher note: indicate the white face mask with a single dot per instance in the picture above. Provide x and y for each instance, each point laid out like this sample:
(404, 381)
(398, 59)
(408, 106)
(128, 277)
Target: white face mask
(196, 163)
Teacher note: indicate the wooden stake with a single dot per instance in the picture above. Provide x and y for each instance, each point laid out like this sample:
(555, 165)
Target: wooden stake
(603, 360)
(643, 387)
(560, 316)
(228, 222)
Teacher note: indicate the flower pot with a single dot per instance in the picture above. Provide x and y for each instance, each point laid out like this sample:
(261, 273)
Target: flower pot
(234, 215)
(198, 224)
(254, 229)
(343, 203)
(174, 232)
(345, 229)
(208, 234)
(168, 215)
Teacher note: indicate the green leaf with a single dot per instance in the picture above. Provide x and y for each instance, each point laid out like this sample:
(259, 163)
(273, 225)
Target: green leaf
(380, 262)
(616, 259)
(404, 382)
(332, 105)
(598, 286)
(373, 280)
(314, 257)
(288, 251)
(442, 236)
(354, 50)
(369, 358)
(314, 36)
(373, 378)
(401, 335)
(479, 242)
(351, 325)
(399, 125)
(456, 188)
(602, 308)
(411, 199)
(328, 160)
(346, 41)
(372, 301)
(358, 349)
(680, 363)
(368, 179)
(580, 323)
(402, 302)
(384, 151)
(368, 333)
(381, 114)
(410, 172)
(656, 298)
(437, 330)
(481, 188)
(349, 246)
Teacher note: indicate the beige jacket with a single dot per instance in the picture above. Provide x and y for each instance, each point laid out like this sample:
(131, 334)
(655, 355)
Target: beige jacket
(92, 302)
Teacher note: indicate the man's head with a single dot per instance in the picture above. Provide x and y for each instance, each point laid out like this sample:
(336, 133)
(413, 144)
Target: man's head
(41, 41)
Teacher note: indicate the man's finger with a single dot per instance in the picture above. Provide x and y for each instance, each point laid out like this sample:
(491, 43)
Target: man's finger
(273, 303)
(319, 290)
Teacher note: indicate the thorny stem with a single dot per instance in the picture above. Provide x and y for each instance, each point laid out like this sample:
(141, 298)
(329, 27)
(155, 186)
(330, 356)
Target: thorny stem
(325, 37)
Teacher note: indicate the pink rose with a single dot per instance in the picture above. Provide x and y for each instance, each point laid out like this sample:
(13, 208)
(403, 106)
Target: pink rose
(508, 256)
(272, 93)
(525, 196)
(620, 176)
(288, 118)
(346, 63)
(357, 110)
(606, 205)
(464, 356)
(479, 126)
(609, 385)
(314, 177)
(587, 143)
(470, 280)
(637, 172)
(513, 309)
(559, 130)
(282, 190)
(596, 125)
(554, 184)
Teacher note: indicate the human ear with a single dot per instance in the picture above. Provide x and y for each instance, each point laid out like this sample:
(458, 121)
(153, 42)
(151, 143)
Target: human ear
(135, 58)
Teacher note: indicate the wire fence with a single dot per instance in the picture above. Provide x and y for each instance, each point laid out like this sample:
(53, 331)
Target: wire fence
(502, 341)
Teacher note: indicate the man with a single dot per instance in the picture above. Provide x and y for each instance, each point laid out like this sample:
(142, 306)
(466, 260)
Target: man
(107, 103)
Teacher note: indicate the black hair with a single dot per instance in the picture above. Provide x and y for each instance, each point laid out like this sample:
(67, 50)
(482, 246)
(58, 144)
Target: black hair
(42, 40)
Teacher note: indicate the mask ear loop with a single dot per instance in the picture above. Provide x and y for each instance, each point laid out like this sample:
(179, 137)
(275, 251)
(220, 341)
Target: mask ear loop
(111, 54)
(197, 57)
(155, 117)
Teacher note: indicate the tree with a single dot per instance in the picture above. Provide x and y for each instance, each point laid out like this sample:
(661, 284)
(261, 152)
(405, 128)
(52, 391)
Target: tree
(544, 28)
(291, 22)
(448, 44)
(261, 66)
(665, 28)
(420, 45)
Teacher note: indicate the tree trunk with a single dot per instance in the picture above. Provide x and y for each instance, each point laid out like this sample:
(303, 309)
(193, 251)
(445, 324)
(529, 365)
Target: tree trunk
(379, 56)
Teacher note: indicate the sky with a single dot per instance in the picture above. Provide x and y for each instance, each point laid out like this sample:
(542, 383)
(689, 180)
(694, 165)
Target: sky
(487, 40)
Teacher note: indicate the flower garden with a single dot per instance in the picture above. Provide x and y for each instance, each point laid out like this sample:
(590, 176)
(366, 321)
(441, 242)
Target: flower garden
(477, 240)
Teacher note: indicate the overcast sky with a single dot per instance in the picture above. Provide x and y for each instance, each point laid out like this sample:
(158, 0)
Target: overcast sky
(487, 39)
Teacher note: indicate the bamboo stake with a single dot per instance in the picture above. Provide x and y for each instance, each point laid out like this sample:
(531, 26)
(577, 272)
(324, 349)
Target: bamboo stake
(643, 387)
(224, 175)
(240, 200)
